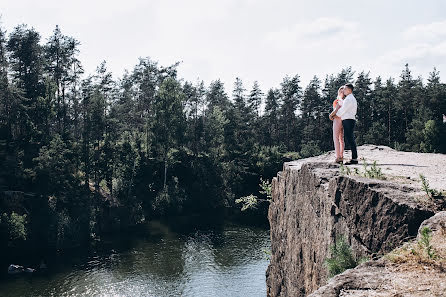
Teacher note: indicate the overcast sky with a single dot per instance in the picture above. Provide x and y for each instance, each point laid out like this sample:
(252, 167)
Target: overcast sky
(254, 40)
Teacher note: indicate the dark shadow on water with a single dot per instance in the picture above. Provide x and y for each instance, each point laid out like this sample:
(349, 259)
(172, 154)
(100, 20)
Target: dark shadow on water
(192, 256)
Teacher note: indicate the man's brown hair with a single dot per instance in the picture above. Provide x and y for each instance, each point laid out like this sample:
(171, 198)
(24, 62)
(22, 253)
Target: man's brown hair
(350, 86)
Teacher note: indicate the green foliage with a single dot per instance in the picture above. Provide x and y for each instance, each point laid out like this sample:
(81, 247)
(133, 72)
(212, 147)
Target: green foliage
(292, 156)
(425, 242)
(374, 171)
(426, 188)
(248, 202)
(310, 149)
(15, 225)
(431, 132)
(342, 169)
(291, 92)
(341, 257)
(215, 133)
(266, 188)
(345, 170)
(251, 201)
(54, 169)
(269, 159)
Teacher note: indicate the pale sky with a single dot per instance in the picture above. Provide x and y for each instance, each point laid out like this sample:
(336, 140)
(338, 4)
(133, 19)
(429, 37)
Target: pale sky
(254, 40)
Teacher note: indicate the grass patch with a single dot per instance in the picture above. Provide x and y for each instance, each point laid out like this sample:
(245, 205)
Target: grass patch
(425, 242)
(342, 257)
(369, 170)
(431, 193)
(428, 249)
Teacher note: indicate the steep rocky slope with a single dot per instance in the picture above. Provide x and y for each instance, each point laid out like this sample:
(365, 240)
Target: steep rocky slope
(407, 271)
(313, 202)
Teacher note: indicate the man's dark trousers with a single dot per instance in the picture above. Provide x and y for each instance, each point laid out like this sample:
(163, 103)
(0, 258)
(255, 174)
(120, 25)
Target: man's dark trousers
(349, 127)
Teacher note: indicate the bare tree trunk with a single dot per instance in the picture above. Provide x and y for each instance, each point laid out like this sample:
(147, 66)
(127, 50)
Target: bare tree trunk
(389, 124)
(165, 173)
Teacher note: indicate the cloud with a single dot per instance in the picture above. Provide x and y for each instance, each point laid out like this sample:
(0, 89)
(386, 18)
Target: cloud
(423, 46)
(415, 52)
(422, 58)
(252, 39)
(323, 33)
(426, 32)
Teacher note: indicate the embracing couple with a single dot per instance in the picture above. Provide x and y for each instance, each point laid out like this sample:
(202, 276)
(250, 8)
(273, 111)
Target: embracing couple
(344, 119)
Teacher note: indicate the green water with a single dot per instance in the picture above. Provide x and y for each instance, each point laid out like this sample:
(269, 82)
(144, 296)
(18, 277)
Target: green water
(226, 261)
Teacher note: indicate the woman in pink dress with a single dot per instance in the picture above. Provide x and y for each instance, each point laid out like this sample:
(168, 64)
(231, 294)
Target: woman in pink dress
(338, 130)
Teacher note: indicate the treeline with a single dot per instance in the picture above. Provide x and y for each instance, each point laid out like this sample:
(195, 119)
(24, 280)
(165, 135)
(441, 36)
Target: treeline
(158, 146)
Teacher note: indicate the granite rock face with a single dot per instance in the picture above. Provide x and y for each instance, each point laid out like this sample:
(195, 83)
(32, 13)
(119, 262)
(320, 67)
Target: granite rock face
(312, 203)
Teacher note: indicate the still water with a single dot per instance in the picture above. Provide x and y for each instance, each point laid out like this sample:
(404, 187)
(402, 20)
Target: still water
(226, 261)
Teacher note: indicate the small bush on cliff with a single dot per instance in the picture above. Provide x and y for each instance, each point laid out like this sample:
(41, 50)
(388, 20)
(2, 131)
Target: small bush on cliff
(342, 257)
(373, 172)
(425, 242)
(370, 172)
(426, 188)
(428, 249)
(344, 170)
(251, 200)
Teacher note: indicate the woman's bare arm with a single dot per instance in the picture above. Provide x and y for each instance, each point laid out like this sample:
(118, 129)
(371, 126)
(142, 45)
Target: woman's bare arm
(333, 113)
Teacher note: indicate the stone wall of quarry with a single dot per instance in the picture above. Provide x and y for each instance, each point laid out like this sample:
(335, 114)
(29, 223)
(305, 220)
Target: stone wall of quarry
(313, 202)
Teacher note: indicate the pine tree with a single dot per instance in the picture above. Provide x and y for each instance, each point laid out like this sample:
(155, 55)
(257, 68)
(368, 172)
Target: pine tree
(271, 116)
(363, 95)
(390, 93)
(291, 96)
(169, 121)
(62, 64)
(255, 99)
(406, 95)
(216, 96)
(25, 64)
(26, 61)
(377, 131)
(311, 110)
(6, 106)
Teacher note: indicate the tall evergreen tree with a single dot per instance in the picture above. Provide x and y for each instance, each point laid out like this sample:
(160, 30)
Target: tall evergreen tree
(271, 117)
(6, 106)
(169, 120)
(62, 64)
(311, 111)
(291, 97)
(406, 95)
(25, 61)
(216, 96)
(363, 96)
(255, 99)
(376, 132)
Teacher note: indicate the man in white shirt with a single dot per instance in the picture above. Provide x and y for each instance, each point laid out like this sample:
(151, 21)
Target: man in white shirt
(347, 112)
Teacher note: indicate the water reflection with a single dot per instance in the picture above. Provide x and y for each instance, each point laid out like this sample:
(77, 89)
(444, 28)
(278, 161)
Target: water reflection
(229, 261)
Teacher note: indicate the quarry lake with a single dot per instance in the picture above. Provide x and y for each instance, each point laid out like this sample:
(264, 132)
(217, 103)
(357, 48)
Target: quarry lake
(228, 260)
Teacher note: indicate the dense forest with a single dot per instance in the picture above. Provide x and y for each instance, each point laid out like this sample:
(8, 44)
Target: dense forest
(156, 145)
